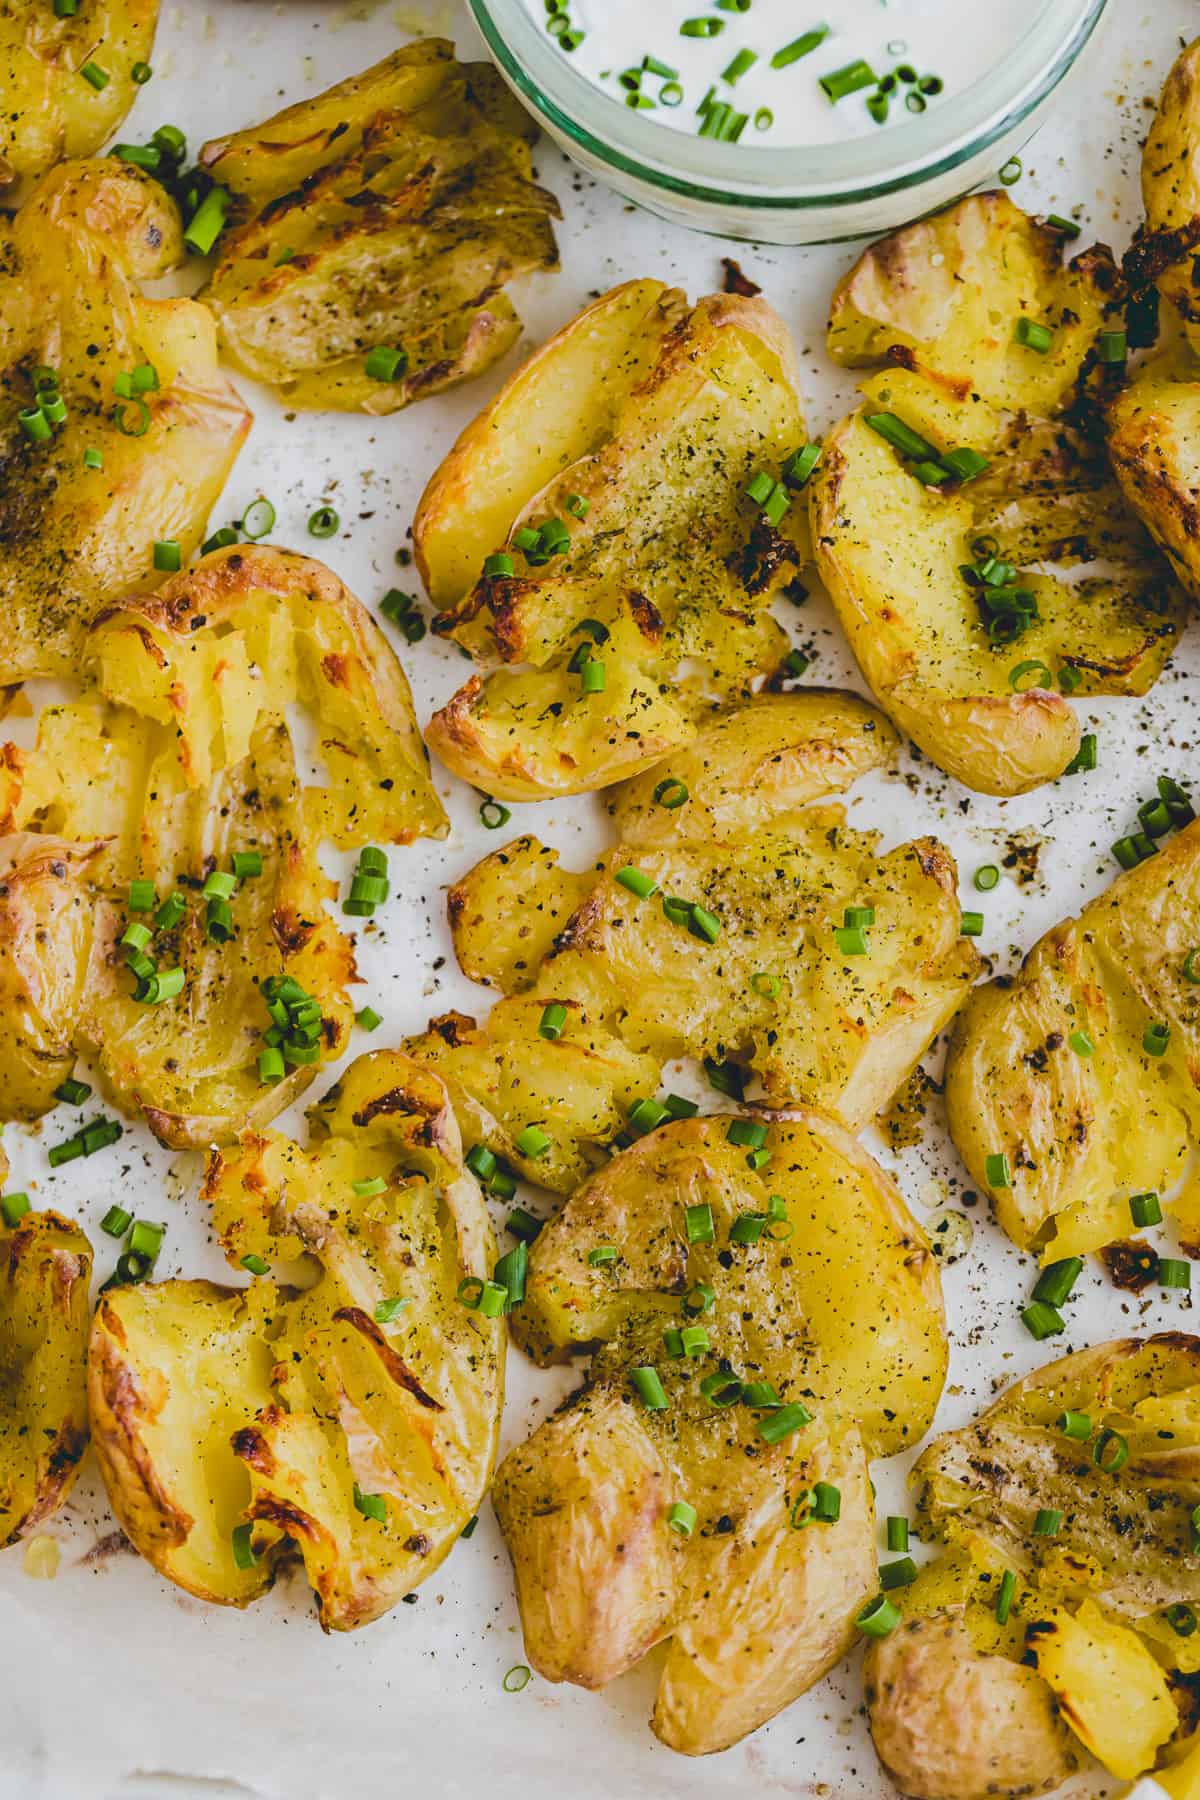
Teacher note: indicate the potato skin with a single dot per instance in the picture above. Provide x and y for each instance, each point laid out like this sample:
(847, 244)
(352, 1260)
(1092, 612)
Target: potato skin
(45, 1269)
(1171, 194)
(755, 1608)
(923, 305)
(1082, 1132)
(46, 110)
(950, 1724)
(75, 539)
(266, 1406)
(641, 394)
(177, 757)
(397, 204)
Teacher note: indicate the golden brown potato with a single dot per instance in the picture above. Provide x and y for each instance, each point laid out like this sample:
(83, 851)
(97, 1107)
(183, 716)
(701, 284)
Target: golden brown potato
(937, 304)
(506, 1076)
(1171, 195)
(45, 1267)
(1081, 1131)
(73, 538)
(818, 1026)
(330, 1423)
(836, 1305)
(1092, 1603)
(389, 212)
(1154, 445)
(179, 759)
(952, 1723)
(635, 430)
(48, 109)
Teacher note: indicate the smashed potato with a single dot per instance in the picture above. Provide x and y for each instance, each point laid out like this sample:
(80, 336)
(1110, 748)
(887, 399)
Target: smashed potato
(1089, 1606)
(1154, 420)
(386, 215)
(48, 108)
(684, 1514)
(177, 761)
(968, 669)
(75, 537)
(352, 1424)
(1060, 1134)
(45, 1268)
(630, 438)
(1166, 253)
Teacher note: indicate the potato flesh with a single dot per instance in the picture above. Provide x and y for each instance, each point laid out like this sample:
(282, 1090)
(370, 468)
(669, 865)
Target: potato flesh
(1171, 191)
(578, 1088)
(841, 1032)
(45, 1267)
(1111, 1691)
(47, 111)
(1082, 1132)
(681, 582)
(844, 1315)
(391, 211)
(76, 539)
(184, 761)
(939, 301)
(310, 1396)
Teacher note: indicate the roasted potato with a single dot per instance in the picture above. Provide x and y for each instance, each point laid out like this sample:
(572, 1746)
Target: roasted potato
(48, 108)
(75, 538)
(1091, 1605)
(774, 991)
(836, 1305)
(45, 1267)
(1166, 252)
(938, 304)
(507, 1075)
(177, 759)
(352, 1423)
(633, 434)
(388, 213)
(1082, 1129)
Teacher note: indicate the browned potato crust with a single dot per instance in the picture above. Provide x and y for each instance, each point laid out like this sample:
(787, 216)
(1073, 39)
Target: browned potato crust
(75, 539)
(47, 109)
(1171, 195)
(391, 210)
(935, 305)
(179, 758)
(45, 1268)
(755, 1607)
(277, 1409)
(1083, 1132)
(637, 427)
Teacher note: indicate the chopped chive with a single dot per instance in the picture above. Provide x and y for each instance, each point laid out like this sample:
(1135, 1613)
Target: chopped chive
(1145, 1209)
(72, 1092)
(745, 59)
(386, 363)
(500, 563)
(848, 80)
(897, 1532)
(531, 1142)
(1004, 1599)
(1034, 335)
(970, 924)
(371, 1506)
(801, 46)
(1048, 1522)
(671, 794)
(13, 1208)
(895, 432)
(1111, 1452)
(698, 1224)
(699, 1299)
(1081, 1043)
(636, 882)
(553, 1019)
(323, 523)
(1173, 1272)
(1075, 1425)
(746, 1132)
(783, 1423)
(602, 1256)
(898, 1574)
(647, 1115)
(650, 1388)
(207, 222)
(682, 1518)
(878, 1619)
(1042, 1321)
(1057, 1279)
(1155, 1039)
(95, 76)
(256, 1264)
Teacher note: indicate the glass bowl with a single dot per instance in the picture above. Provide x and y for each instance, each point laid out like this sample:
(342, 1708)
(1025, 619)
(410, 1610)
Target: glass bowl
(807, 195)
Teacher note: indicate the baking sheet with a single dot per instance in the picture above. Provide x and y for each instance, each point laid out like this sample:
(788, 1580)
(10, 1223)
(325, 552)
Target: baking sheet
(118, 1685)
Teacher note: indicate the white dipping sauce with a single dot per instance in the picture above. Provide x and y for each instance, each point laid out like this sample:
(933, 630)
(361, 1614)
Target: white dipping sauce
(956, 41)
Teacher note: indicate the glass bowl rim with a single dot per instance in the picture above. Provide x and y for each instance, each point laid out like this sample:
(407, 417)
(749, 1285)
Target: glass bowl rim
(940, 140)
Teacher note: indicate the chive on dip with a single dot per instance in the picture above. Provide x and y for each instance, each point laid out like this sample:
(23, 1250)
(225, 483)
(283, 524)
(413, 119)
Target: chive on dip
(772, 71)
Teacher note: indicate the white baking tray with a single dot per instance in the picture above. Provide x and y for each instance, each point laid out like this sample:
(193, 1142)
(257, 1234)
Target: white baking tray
(118, 1685)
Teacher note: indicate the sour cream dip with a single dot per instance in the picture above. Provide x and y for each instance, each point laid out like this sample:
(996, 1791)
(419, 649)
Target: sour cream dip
(773, 72)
